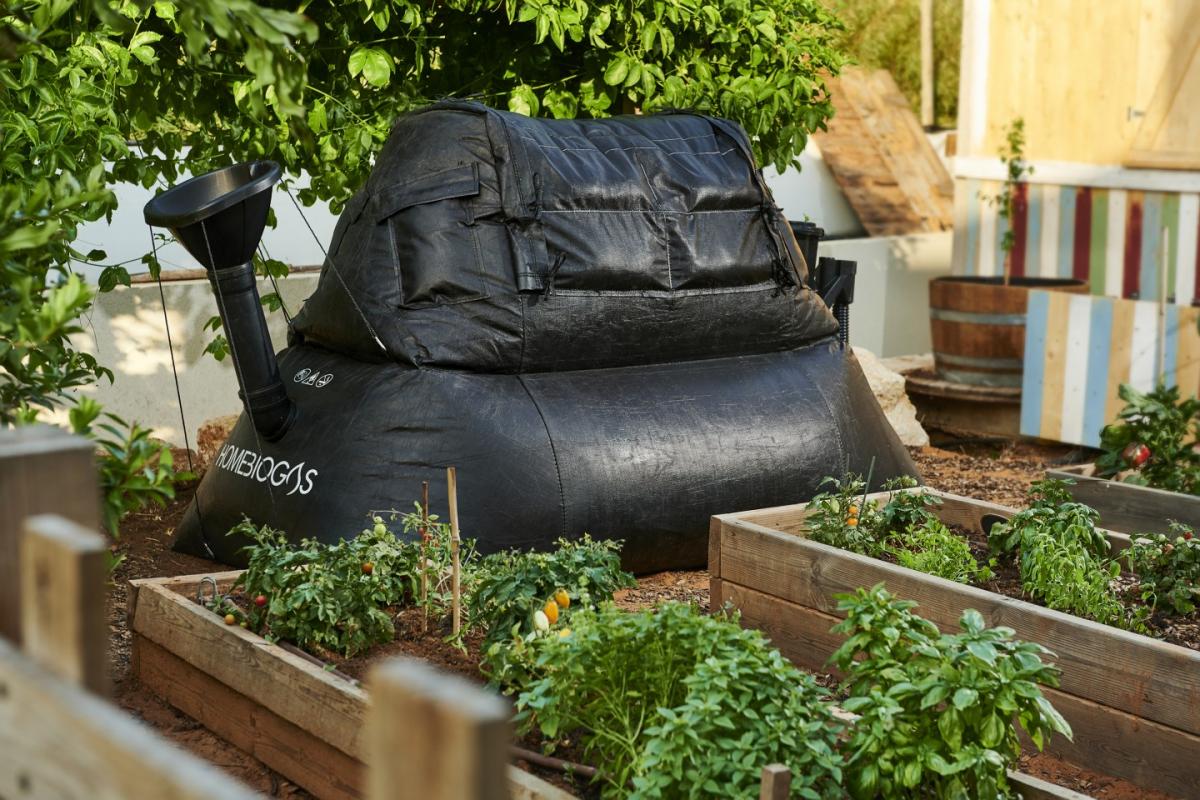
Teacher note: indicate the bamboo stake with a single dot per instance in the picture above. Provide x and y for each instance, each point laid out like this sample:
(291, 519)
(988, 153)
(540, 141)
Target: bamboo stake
(1162, 305)
(455, 590)
(927, 79)
(425, 556)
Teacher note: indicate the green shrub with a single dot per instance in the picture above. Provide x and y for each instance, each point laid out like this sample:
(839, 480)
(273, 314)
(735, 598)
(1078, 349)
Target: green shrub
(682, 704)
(1169, 569)
(936, 711)
(510, 586)
(1063, 558)
(934, 549)
(325, 595)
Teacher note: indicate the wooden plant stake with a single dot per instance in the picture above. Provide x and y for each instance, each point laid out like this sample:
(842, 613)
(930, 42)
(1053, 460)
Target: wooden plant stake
(425, 556)
(776, 783)
(455, 589)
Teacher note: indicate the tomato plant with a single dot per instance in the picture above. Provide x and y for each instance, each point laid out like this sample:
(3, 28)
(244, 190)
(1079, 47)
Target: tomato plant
(1152, 443)
(1169, 569)
(937, 710)
(318, 595)
(906, 528)
(511, 586)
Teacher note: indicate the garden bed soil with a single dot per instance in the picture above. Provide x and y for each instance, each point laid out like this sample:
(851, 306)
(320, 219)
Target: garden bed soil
(999, 473)
(1131, 699)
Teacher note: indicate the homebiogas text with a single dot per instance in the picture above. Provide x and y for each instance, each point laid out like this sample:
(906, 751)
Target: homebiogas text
(249, 464)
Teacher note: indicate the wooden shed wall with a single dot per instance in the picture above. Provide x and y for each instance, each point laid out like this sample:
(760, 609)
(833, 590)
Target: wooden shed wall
(1090, 79)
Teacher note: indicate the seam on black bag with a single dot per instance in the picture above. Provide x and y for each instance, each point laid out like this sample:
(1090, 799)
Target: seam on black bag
(562, 498)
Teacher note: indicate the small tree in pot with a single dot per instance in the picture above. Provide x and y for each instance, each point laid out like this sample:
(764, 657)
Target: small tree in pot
(978, 322)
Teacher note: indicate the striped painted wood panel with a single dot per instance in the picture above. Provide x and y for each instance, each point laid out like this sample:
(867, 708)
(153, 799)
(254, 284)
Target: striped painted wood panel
(1080, 348)
(1119, 240)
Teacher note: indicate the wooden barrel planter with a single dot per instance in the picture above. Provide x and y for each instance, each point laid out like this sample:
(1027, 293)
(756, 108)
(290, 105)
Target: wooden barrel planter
(978, 326)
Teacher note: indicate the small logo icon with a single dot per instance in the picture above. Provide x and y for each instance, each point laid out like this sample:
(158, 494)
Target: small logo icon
(324, 379)
(301, 375)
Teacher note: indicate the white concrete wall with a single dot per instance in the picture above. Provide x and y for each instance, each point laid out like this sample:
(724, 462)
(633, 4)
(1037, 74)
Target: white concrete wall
(890, 312)
(126, 332)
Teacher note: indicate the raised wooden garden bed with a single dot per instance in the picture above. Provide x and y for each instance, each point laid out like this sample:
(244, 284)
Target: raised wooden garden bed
(1128, 507)
(1133, 701)
(282, 708)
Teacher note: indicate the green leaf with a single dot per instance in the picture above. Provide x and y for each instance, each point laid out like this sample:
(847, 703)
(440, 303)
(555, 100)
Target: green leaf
(965, 697)
(617, 71)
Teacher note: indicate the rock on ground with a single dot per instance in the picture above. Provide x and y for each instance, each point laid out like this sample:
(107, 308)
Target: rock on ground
(888, 387)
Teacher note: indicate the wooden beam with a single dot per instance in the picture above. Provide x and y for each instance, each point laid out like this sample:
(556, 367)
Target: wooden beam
(928, 88)
(210, 659)
(59, 741)
(1128, 507)
(434, 736)
(286, 684)
(43, 470)
(63, 574)
(1124, 670)
(245, 723)
(776, 783)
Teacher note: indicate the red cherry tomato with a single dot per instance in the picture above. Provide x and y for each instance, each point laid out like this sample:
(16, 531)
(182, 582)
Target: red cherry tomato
(1136, 454)
(260, 601)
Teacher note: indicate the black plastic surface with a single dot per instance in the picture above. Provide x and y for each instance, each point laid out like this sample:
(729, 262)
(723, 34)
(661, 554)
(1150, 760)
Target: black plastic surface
(602, 324)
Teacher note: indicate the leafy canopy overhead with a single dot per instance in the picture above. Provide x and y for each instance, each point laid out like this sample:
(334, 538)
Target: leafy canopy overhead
(95, 92)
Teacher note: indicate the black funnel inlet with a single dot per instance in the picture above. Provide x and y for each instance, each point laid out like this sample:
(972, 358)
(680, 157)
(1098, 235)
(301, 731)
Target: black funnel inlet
(219, 217)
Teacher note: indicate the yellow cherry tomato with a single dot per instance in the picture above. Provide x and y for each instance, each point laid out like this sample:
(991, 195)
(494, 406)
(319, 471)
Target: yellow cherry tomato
(562, 598)
(551, 611)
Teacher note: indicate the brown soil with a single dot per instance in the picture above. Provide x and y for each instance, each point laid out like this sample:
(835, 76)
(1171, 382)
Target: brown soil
(996, 473)
(999, 473)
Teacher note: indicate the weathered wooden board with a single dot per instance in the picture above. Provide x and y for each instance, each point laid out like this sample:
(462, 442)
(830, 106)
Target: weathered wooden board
(1127, 507)
(63, 575)
(468, 756)
(297, 690)
(1114, 682)
(880, 157)
(274, 703)
(43, 470)
(60, 742)
(248, 725)
(1109, 741)
(1080, 349)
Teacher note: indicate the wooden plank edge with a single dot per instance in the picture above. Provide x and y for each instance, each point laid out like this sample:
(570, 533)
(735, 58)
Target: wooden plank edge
(524, 785)
(245, 723)
(65, 741)
(324, 704)
(1172, 669)
(1032, 788)
(1108, 740)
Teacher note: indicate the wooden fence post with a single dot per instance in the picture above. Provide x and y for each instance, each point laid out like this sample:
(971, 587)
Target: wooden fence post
(63, 617)
(43, 470)
(776, 783)
(433, 736)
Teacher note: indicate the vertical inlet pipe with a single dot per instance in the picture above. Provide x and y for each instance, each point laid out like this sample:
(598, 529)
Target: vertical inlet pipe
(219, 217)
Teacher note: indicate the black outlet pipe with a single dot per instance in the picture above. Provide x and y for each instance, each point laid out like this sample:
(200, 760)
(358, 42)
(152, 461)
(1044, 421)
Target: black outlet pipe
(219, 217)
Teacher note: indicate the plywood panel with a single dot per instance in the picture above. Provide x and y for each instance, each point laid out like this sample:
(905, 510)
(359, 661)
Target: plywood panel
(880, 157)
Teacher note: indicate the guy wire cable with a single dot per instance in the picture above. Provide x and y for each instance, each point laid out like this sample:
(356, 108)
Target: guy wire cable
(341, 280)
(187, 444)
